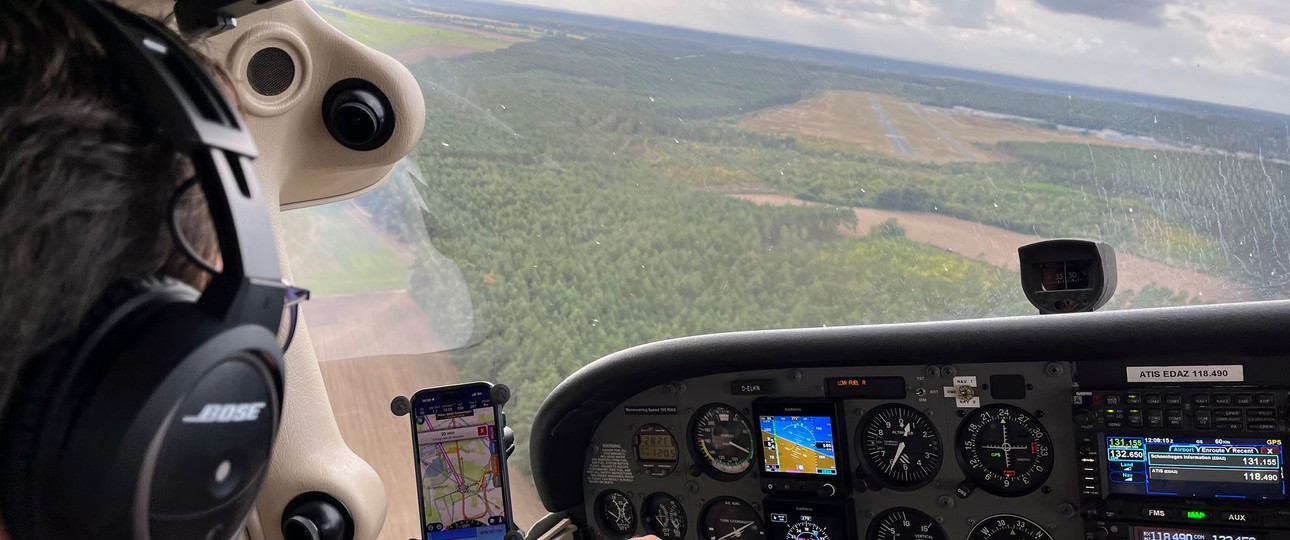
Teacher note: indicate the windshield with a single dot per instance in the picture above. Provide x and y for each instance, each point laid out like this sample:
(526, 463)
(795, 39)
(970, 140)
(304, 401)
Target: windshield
(597, 175)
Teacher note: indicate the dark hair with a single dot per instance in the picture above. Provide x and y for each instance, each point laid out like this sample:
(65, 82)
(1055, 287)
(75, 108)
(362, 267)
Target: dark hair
(85, 183)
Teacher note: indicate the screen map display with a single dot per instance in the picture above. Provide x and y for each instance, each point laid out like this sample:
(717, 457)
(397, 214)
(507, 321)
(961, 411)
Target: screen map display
(798, 444)
(1209, 467)
(461, 480)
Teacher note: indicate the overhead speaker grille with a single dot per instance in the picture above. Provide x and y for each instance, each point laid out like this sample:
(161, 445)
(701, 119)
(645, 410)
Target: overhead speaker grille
(270, 71)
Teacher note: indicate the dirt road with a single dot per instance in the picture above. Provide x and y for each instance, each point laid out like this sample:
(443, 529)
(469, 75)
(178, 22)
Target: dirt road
(998, 246)
(369, 324)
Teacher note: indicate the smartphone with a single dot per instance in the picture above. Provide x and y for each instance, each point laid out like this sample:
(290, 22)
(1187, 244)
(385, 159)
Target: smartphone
(462, 483)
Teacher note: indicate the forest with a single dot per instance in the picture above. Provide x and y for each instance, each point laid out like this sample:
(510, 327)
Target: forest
(582, 186)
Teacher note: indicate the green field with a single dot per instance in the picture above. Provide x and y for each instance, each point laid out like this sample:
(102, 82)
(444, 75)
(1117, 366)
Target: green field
(392, 35)
(334, 251)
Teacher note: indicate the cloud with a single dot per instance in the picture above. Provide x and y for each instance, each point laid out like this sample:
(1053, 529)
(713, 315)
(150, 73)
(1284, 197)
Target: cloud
(967, 13)
(1144, 12)
(976, 14)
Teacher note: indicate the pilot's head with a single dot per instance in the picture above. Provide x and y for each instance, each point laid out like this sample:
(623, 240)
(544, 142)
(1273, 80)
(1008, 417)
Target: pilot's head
(88, 188)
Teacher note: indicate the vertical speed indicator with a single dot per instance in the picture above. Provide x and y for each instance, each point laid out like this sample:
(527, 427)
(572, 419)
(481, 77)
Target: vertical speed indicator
(722, 441)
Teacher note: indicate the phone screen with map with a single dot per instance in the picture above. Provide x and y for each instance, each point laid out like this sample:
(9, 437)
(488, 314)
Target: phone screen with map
(461, 470)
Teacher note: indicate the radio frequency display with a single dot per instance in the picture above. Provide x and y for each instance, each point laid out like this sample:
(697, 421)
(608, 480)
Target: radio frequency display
(1210, 467)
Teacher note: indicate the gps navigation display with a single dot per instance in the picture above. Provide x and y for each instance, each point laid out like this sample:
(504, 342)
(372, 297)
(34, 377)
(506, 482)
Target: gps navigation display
(461, 477)
(1207, 466)
(798, 444)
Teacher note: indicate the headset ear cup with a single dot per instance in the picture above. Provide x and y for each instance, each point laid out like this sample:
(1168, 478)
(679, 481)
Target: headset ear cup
(40, 383)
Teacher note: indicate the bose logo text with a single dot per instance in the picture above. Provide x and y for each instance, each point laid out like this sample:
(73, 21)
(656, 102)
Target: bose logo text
(226, 413)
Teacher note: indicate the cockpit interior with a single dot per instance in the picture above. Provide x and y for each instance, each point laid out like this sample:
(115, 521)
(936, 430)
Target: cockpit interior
(782, 270)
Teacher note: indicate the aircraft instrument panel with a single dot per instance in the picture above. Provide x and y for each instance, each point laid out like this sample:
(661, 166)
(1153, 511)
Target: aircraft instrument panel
(972, 451)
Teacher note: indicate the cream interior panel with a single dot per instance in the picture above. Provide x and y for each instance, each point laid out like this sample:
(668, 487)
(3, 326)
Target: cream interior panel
(301, 165)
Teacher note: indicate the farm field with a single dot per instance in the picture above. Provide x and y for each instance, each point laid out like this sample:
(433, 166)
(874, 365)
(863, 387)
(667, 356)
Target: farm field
(412, 40)
(881, 124)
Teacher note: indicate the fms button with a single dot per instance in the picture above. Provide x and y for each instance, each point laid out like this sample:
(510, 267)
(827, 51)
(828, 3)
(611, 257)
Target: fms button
(1158, 513)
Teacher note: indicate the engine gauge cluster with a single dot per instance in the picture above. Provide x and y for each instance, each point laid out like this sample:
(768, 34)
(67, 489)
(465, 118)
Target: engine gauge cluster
(664, 517)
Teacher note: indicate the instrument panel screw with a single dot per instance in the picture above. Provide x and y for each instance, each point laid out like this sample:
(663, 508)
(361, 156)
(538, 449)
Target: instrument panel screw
(681, 386)
(961, 413)
(1046, 490)
(794, 375)
(1067, 510)
(945, 501)
(669, 389)
(1052, 527)
(949, 372)
(869, 514)
(971, 521)
(932, 372)
(692, 487)
(1053, 369)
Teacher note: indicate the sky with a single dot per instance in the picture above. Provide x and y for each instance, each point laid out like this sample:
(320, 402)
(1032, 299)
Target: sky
(1235, 52)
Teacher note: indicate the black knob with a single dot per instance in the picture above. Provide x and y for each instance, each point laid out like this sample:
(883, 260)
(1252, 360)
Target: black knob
(316, 516)
(1084, 418)
(872, 483)
(1101, 533)
(358, 114)
(964, 489)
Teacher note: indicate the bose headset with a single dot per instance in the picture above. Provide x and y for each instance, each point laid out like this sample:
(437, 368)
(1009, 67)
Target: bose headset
(159, 421)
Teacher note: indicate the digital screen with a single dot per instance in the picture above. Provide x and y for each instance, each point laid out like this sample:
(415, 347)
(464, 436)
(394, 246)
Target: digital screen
(864, 387)
(803, 521)
(1175, 533)
(656, 448)
(798, 444)
(460, 466)
(1206, 467)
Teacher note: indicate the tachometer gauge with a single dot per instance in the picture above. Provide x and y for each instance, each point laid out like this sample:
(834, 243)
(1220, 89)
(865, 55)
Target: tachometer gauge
(664, 517)
(901, 445)
(615, 513)
(722, 440)
(905, 524)
(807, 530)
(1008, 527)
(1005, 450)
(728, 518)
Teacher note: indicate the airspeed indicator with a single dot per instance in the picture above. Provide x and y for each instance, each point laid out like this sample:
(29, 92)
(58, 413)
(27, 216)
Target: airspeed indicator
(722, 440)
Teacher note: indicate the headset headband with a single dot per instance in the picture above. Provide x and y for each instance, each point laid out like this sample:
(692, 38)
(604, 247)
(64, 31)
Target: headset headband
(188, 106)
